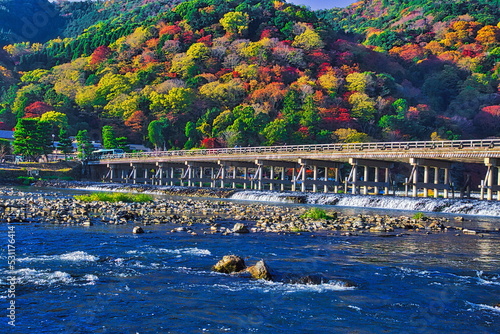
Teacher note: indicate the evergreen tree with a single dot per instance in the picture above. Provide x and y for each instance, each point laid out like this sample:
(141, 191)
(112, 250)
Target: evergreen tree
(65, 145)
(156, 133)
(44, 137)
(26, 141)
(83, 144)
(109, 139)
(121, 143)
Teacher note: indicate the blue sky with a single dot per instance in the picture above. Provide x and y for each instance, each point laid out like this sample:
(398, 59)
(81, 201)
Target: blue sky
(322, 4)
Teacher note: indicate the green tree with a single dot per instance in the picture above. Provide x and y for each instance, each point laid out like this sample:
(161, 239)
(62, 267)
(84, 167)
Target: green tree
(65, 145)
(192, 134)
(157, 133)
(109, 137)
(32, 139)
(25, 139)
(83, 144)
(45, 138)
(276, 132)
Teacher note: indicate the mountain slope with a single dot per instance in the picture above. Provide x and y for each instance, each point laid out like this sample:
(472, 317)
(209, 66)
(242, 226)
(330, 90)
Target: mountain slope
(218, 72)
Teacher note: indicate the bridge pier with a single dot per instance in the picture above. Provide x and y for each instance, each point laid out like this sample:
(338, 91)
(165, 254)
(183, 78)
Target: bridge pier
(315, 164)
(140, 173)
(488, 182)
(234, 178)
(116, 174)
(280, 181)
(366, 183)
(167, 173)
(196, 172)
(426, 185)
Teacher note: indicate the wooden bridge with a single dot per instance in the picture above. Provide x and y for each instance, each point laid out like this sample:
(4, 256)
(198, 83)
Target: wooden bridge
(314, 167)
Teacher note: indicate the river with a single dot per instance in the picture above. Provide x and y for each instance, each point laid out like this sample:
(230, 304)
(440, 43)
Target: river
(104, 279)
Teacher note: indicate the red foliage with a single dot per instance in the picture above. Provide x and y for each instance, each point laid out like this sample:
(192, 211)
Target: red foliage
(210, 143)
(324, 68)
(188, 37)
(170, 30)
(222, 72)
(304, 130)
(335, 118)
(37, 109)
(236, 74)
(100, 54)
(207, 40)
(492, 110)
(267, 33)
(468, 53)
(319, 57)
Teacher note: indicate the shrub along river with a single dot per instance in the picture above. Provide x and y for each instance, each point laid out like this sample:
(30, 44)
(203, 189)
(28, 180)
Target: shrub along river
(102, 278)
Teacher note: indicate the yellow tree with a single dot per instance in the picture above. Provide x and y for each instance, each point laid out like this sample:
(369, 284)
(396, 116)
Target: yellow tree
(235, 22)
(488, 35)
(308, 40)
(359, 82)
(329, 82)
(57, 119)
(363, 107)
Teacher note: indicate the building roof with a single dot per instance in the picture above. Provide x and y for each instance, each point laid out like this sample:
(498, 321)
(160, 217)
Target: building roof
(4, 134)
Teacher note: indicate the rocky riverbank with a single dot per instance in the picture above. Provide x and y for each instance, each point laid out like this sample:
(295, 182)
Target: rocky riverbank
(192, 216)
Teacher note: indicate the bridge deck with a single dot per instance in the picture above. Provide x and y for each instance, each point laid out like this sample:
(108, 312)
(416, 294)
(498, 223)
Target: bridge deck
(453, 150)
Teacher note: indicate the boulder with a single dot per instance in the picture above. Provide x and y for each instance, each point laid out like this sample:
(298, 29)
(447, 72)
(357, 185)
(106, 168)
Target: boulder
(230, 264)
(240, 228)
(260, 271)
(137, 230)
(310, 279)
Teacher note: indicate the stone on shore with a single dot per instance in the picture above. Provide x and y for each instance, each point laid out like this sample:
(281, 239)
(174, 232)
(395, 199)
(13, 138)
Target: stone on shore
(260, 271)
(240, 228)
(230, 264)
(137, 230)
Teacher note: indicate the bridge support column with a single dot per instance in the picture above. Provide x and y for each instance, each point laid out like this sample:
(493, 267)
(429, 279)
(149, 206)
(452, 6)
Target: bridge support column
(316, 181)
(112, 171)
(436, 166)
(196, 173)
(233, 177)
(165, 174)
(134, 174)
(369, 182)
(272, 181)
(488, 183)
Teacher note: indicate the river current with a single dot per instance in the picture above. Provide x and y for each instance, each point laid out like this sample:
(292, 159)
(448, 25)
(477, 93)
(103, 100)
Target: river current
(104, 279)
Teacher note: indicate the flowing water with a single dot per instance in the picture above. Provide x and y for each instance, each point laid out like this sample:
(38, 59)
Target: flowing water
(104, 279)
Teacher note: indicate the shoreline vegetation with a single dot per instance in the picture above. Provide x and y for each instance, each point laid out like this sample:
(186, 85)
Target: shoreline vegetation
(114, 197)
(209, 216)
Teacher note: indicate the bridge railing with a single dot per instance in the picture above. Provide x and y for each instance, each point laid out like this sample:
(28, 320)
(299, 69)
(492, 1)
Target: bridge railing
(373, 146)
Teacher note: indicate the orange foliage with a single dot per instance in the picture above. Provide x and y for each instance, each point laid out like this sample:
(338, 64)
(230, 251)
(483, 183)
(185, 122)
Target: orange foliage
(37, 109)
(169, 29)
(409, 52)
(488, 35)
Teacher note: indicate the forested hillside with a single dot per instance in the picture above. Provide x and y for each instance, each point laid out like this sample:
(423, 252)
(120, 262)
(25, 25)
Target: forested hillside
(207, 73)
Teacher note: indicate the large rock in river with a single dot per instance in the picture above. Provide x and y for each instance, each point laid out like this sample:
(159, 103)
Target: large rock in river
(230, 264)
(240, 228)
(260, 271)
(137, 230)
